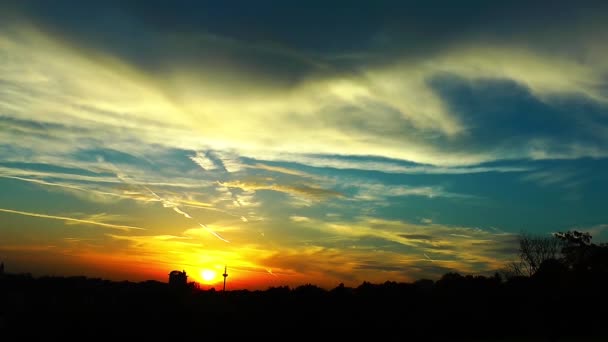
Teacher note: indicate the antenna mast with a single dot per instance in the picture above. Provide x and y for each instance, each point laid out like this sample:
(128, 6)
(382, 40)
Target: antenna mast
(225, 276)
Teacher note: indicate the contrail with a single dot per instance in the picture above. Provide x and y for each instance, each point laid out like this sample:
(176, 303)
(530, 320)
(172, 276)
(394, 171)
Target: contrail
(169, 204)
(71, 219)
(428, 257)
(179, 211)
(166, 203)
(214, 233)
(83, 189)
(68, 186)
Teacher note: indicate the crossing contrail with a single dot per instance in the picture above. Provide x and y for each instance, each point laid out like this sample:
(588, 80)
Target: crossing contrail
(166, 203)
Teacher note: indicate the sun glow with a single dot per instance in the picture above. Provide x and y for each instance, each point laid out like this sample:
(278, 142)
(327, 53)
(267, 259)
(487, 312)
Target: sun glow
(208, 276)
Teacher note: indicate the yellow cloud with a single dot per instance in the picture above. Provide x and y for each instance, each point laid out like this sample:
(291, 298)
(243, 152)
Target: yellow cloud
(183, 108)
(545, 75)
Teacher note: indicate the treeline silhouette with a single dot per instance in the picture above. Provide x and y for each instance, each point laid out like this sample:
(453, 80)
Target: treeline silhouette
(565, 299)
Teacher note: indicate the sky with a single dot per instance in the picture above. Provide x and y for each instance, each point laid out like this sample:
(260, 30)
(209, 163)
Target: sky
(297, 142)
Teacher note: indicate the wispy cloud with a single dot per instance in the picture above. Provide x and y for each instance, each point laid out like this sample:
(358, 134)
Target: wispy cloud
(380, 191)
(308, 191)
(217, 159)
(409, 119)
(598, 232)
(296, 218)
(29, 248)
(101, 217)
(229, 161)
(374, 164)
(566, 178)
(202, 160)
(146, 178)
(462, 245)
(280, 169)
(103, 191)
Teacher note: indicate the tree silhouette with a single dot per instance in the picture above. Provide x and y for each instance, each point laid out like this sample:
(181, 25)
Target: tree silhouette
(533, 251)
(564, 299)
(581, 255)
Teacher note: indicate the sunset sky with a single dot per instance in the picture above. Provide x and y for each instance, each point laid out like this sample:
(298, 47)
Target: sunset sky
(319, 142)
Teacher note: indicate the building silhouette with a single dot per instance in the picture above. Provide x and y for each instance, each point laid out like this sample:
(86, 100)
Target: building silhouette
(178, 278)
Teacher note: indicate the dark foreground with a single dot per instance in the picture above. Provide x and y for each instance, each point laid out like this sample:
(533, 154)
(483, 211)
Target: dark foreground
(453, 308)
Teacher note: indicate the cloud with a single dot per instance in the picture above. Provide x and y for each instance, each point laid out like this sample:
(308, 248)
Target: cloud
(103, 190)
(72, 220)
(452, 243)
(203, 161)
(598, 231)
(28, 248)
(553, 177)
(377, 164)
(229, 161)
(284, 170)
(179, 211)
(223, 160)
(201, 231)
(374, 106)
(416, 236)
(380, 191)
(296, 218)
(307, 191)
(54, 169)
(393, 110)
(62, 185)
(100, 217)
(21, 174)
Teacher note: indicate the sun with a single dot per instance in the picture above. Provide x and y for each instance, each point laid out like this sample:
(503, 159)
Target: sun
(208, 276)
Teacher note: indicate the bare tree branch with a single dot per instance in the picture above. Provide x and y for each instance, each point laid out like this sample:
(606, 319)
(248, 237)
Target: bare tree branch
(533, 251)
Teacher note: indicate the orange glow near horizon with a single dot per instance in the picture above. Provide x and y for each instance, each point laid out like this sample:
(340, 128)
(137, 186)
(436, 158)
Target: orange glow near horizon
(250, 266)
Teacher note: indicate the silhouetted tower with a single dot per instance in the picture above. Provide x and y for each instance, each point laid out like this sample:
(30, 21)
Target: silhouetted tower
(225, 275)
